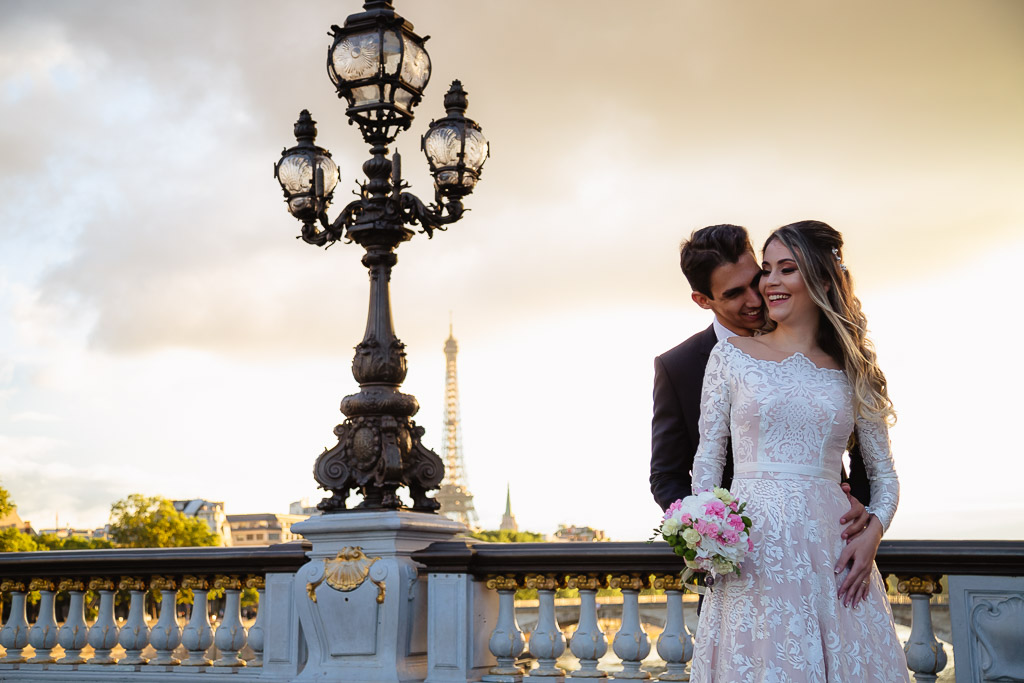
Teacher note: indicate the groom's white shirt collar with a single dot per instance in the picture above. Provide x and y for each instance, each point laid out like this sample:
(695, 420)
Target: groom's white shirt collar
(721, 331)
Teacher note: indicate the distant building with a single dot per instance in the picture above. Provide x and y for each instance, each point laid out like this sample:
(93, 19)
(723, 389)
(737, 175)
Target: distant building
(68, 532)
(578, 534)
(302, 507)
(266, 528)
(210, 512)
(508, 520)
(12, 520)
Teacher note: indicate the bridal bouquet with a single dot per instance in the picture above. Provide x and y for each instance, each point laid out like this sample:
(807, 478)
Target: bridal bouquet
(709, 531)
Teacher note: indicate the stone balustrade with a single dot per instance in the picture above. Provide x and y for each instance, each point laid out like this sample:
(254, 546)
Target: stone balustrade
(125, 647)
(92, 615)
(632, 567)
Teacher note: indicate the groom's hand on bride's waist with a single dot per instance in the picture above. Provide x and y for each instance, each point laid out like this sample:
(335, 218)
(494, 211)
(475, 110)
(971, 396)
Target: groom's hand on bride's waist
(856, 518)
(859, 556)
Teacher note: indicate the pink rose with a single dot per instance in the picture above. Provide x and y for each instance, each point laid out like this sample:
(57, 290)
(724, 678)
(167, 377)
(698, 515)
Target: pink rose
(736, 522)
(705, 528)
(715, 508)
(686, 520)
(731, 536)
(734, 506)
(750, 544)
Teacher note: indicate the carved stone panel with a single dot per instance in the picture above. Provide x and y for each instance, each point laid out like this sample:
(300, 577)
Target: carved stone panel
(987, 615)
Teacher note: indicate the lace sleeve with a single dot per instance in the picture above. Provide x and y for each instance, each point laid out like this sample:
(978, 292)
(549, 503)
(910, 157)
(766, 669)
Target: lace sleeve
(715, 403)
(885, 487)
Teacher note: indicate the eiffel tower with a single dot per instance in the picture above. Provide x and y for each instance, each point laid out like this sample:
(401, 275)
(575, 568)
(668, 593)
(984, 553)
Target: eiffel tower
(455, 499)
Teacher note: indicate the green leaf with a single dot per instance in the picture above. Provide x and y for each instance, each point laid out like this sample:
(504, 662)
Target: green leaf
(140, 521)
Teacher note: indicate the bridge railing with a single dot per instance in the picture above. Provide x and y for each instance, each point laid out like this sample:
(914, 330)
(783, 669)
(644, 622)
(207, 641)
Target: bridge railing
(506, 568)
(472, 631)
(71, 648)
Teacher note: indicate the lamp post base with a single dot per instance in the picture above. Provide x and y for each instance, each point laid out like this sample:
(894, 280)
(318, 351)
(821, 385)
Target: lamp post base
(361, 601)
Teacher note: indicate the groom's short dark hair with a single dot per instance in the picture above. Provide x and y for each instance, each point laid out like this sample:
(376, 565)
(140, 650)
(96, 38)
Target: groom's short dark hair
(709, 248)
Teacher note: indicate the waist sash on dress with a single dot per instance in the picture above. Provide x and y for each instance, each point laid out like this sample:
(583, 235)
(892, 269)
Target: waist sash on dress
(750, 468)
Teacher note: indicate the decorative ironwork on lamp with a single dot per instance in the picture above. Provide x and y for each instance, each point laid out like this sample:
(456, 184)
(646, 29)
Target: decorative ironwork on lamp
(380, 67)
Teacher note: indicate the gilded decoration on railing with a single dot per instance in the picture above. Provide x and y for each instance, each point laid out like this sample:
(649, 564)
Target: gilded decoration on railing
(225, 581)
(584, 582)
(627, 582)
(100, 583)
(502, 582)
(257, 582)
(668, 582)
(548, 582)
(163, 583)
(131, 583)
(924, 584)
(40, 585)
(67, 585)
(11, 586)
(346, 572)
(195, 583)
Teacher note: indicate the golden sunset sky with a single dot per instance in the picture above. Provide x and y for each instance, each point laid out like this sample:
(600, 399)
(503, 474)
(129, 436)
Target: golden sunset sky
(161, 330)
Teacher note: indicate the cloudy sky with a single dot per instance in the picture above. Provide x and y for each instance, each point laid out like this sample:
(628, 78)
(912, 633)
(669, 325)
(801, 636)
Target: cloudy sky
(161, 330)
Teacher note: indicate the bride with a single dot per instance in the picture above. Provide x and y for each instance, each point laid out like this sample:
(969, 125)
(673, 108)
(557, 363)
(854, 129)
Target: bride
(807, 607)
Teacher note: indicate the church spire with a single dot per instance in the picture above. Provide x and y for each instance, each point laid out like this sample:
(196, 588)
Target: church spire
(508, 520)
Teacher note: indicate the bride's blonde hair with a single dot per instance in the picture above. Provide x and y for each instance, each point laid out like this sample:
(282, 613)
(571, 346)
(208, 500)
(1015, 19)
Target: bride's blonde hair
(842, 329)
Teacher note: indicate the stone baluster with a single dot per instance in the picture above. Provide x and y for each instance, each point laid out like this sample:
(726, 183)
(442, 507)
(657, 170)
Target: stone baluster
(588, 642)
(674, 644)
(506, 643)
(14, 634)
(231, 635)
(103, 632)
(547, 643)
(197, 635)
(73, 634)
(631, 644)
(925, 655)
(43, 634)
(256, 634)
(134, 635)
(166, 633)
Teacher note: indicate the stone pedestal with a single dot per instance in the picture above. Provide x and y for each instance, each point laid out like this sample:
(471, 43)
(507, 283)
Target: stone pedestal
(361, 602)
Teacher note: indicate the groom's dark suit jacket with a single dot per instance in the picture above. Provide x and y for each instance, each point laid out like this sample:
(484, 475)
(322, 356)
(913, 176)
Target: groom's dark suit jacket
(678, 377)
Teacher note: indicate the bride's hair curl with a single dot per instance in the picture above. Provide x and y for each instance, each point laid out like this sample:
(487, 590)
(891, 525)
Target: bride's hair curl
(842, 329)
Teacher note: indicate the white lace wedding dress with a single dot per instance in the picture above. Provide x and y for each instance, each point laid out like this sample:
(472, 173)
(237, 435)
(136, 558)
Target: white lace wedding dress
(781, 621)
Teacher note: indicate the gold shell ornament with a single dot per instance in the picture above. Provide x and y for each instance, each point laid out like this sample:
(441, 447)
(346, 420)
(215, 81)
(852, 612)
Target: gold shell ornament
(346, 572)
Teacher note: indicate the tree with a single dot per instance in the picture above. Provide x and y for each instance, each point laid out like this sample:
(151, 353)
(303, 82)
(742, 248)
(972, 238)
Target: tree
(6, 504)
(140, 521)
(507, 536)
(15, 541)
(55, 542)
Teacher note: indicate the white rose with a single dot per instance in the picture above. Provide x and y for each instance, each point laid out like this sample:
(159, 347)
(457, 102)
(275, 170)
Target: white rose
(723, 566)
(670, 526)
(691, 536)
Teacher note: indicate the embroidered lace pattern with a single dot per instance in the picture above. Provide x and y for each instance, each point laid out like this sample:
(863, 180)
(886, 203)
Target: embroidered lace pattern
(781, 621)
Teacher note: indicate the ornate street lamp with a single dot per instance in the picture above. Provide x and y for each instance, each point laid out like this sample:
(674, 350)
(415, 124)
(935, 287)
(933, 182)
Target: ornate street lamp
(380, 67)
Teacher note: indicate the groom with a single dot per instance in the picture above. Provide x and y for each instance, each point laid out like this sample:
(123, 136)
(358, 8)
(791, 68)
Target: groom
(718, 262)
